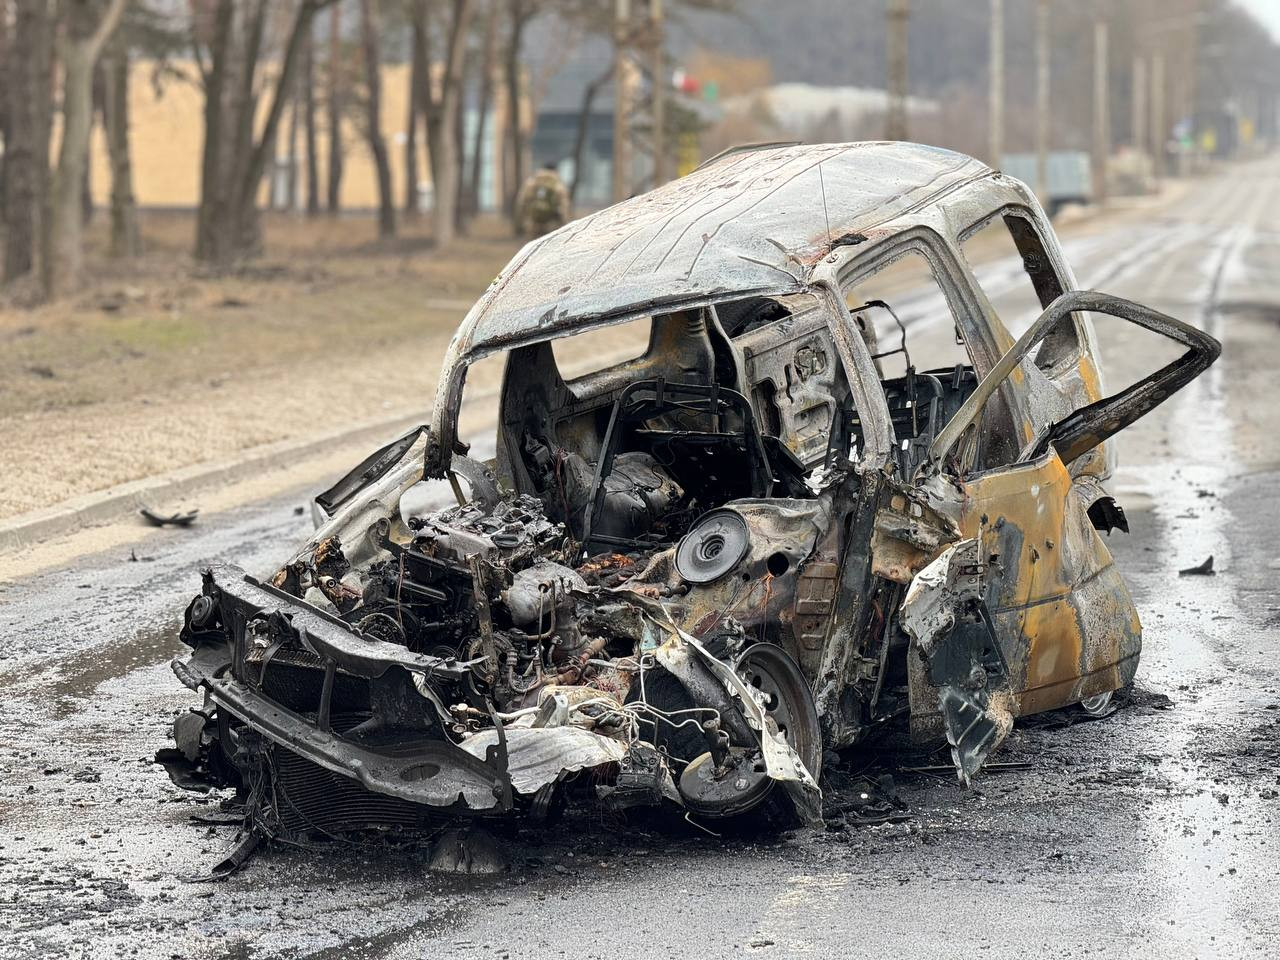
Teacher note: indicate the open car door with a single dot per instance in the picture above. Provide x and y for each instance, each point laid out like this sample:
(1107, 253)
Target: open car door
(1028, 612)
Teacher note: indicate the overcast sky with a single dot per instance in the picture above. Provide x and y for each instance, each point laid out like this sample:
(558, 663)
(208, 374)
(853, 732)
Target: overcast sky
(1268, 11)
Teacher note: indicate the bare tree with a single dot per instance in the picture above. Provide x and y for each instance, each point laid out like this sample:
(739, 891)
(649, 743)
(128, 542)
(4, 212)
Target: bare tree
(27, 86)
(86, 30)
(589, 95)
(4, 100)
(441, 112)
(334, 107)
(488, 69)
(581, 16)
(291, 180)
(126, 237)
(520, 12)
(309, 122)
(460, 217)
(370, 24)
(150, 31)
(417, 77)
(235, 155)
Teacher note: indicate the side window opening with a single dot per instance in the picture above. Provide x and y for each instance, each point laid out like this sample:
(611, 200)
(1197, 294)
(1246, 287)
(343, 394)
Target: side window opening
(1009, 261)
(925, 366)
(603, 348)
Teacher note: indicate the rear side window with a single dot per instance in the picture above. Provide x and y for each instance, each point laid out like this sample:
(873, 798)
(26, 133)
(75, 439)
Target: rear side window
(602, 348)
(1009, 261)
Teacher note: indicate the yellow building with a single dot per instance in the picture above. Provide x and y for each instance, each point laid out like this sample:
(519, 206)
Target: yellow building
(167, 128)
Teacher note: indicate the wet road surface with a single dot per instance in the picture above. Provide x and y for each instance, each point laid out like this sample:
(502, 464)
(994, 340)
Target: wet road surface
(1153, 832)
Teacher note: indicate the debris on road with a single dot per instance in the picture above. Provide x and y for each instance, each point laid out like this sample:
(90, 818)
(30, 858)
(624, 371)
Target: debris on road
(989, 767)
(169, 520)
(686, 576)
(1204, 569)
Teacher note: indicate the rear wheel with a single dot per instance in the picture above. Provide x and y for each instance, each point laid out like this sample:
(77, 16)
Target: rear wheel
(1096, 706)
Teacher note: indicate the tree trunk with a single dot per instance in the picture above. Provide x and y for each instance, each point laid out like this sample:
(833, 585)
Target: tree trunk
(487, 68)
(460, 217)
(334, 188)
(416, 74)
(126, 238)
(213, 179)
(441, 135)
(428, 103)
(231, 227)
(240, 234)
(6, 135)
(26, 82)
(309, 123)
(291, 148)
(370, 24)
(97, 112)
(514, 142)
(85, 36)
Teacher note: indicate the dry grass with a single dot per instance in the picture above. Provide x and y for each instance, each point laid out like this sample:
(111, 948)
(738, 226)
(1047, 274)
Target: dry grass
(327, 290)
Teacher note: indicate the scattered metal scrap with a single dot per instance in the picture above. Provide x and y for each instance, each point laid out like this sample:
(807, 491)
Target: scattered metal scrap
(169, 520)
(688, 575)
(1204, 569)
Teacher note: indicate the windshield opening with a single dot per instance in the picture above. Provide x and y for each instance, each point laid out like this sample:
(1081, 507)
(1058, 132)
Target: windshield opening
(707, 405)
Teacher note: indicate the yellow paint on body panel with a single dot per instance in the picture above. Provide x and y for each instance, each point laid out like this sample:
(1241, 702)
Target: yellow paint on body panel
(1055, 603)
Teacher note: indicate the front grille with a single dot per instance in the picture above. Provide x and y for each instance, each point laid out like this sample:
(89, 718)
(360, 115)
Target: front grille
(311, 799)
(298, 688)
(295, 656)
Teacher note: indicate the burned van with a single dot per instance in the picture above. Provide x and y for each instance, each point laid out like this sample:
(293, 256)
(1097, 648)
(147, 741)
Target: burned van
(682, 576)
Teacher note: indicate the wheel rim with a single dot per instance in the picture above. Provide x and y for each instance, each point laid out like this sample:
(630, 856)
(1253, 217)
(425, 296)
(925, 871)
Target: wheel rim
(1096, 706)
(787, 700)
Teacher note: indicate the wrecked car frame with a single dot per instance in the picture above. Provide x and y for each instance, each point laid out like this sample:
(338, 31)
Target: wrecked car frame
(685, 575)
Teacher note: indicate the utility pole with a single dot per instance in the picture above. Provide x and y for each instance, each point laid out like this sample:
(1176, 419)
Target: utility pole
(995, 96)
(896, 116)
(1138, 101)
(1101, 113)
(658, 104)
(1042, 101)
(1158, 132)
(621, 100)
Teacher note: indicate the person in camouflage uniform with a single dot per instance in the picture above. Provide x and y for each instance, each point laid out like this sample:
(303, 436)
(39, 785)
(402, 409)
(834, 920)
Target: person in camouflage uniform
(542, 204)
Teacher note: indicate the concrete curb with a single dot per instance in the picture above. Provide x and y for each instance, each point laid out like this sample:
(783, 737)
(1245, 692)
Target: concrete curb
(125, 499)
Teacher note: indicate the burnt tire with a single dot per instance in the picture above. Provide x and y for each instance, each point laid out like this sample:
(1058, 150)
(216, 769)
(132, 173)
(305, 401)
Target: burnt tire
(664, 692)
(774, 812)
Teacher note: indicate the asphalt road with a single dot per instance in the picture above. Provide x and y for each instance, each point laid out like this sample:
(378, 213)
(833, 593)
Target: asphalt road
(1154, 832)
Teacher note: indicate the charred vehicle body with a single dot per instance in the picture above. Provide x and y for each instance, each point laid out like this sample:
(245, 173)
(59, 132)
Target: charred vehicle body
(684, 576)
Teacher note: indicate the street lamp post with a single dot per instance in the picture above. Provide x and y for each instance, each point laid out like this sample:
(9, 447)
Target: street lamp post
(995, 113)
(1101, 113)
(1042, 100)
(896, 117)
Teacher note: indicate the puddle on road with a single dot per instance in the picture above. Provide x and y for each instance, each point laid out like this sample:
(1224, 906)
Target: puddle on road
(76, 677)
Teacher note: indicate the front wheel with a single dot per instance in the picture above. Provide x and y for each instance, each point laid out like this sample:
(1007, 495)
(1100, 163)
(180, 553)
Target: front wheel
(737, 793)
